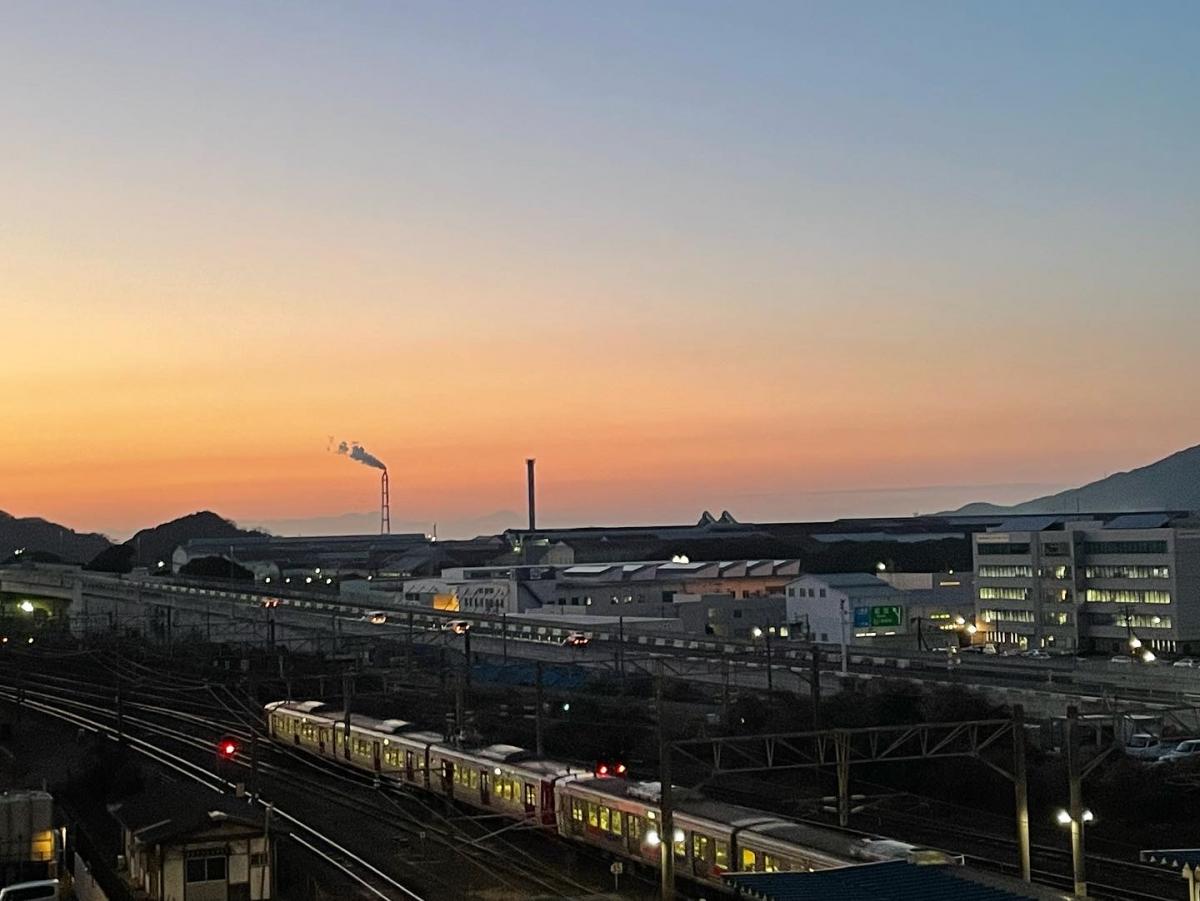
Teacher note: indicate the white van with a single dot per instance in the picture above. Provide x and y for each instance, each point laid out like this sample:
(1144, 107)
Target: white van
(42, 890)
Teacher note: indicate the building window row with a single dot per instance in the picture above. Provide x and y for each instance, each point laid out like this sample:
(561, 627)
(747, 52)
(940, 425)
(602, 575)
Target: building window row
(1007, 616)
(1057, 596)
(990, 593)
(996, 549)
(999, 571)
(1124, 547)
(1062, 571)
(1126, 596)
(1131, 621)
(1057, 617)
(1127, 572)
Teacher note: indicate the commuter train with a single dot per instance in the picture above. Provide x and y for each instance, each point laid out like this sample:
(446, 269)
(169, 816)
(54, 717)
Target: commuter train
(611, 813)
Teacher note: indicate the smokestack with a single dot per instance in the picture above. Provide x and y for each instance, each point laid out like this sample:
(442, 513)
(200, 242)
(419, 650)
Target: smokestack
(532, 502)
(385, 506)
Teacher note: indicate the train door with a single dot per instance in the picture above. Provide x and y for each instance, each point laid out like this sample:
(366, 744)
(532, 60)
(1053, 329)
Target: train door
(408, 766)
(529, 795)
(702, 854)
(547, 805)
(376, 756)
(346, 744)
(485, 788)
(322, 738)
(448, 778)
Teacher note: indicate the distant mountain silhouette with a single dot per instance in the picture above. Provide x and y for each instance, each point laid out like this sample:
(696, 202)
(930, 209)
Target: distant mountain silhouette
(149, 546)
(44, 537)
(1170, 484)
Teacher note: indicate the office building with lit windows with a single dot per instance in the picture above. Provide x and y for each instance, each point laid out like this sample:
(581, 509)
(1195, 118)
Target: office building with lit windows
(1090, 582)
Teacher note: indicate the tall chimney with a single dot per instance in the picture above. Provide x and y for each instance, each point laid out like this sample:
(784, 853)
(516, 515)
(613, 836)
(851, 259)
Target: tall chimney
(532, 503)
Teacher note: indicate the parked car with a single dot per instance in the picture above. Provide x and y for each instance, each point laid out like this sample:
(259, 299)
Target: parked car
(1144, 746)
(42, 890)
(1185, 750)
(457, 626)
(576, 640)
(1189, 662)
(1037, 654)
(376, 617)
(1121, 660)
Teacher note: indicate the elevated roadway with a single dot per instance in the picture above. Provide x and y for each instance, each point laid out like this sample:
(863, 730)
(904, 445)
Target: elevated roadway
(171, 609)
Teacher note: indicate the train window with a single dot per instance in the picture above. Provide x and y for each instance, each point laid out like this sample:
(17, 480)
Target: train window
(721, 853)
(530, 795)
(681, 846)
(603, 824)
(699, 846)
(749, 860)
(592, 814)
(576, 810)
(474, 778)
(770, 864)
(615, 825)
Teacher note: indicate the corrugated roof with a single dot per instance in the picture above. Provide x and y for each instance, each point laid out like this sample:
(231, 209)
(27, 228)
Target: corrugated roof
(851, 580)
(889, 881)
(1138, 521)
(1027, 524)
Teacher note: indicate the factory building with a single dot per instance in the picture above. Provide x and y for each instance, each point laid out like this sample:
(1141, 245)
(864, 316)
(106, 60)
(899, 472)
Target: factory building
(1090, 582)
(644, 589)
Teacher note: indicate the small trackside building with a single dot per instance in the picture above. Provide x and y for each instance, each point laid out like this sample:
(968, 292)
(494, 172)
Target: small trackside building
(181, 843)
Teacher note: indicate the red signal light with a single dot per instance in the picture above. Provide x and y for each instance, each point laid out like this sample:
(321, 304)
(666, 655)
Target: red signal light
(227, 747)
(602, 770)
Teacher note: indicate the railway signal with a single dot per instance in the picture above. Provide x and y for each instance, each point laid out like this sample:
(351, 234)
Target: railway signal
(613, 768)
(227, 748)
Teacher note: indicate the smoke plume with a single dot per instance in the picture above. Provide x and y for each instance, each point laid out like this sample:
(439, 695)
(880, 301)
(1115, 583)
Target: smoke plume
(356, 451)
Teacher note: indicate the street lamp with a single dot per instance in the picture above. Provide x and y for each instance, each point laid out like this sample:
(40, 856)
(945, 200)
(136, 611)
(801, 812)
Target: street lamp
(26, 607)
(1086, 818)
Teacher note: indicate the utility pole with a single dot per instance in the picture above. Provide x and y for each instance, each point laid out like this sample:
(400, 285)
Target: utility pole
(845, 651)
(253, 763)
(408, 648)
(1075, 778)
(814, 684)
(621, 648)
(725, 691)
(1021, 785)
(770, 668)
(666, 829)
(537, 719)
(459, 704)
(347, 697)
(503, 635)
(467, 657)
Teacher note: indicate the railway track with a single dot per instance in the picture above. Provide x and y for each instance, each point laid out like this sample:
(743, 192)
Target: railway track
(414, 825)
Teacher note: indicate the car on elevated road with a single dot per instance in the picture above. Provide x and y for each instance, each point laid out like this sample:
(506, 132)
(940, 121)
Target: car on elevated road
(1185, 750)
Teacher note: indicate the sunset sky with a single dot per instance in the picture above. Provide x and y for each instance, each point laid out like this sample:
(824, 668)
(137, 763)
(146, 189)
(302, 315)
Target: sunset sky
(795, 260)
